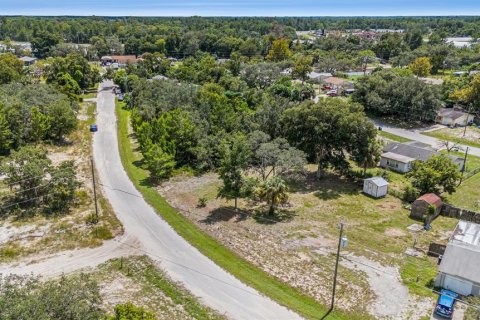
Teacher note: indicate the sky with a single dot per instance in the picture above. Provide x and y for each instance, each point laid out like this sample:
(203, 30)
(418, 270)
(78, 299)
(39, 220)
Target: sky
(240, 7)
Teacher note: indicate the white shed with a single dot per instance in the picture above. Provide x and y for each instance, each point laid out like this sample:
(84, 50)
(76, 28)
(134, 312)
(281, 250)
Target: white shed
(375, 187)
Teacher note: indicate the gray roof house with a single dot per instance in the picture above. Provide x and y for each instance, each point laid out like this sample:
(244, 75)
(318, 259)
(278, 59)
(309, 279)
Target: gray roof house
(28, 61)
(452, 117)
(459, 269)
(399, 156)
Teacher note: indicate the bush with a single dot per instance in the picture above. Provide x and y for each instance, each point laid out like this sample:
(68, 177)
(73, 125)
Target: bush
(410, 193)
(91, 219)
(202, 202)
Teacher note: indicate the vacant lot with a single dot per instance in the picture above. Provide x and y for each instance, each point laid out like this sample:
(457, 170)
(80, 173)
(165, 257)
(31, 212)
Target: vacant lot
(138, 280)
(38, 235)
(471, 138)
(298, 245)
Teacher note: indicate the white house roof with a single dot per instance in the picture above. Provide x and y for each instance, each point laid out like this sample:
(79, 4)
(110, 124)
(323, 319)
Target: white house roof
(28, 59)
(378, 181)
(397, 157)
(467, 233)
(462, 255)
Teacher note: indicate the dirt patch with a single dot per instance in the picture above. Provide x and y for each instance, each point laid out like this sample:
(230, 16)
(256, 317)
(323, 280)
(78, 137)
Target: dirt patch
(392, 298)
(301, 250)
(395, 232)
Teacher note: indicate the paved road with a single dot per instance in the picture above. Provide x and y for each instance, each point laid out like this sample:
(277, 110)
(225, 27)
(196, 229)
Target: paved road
(415, 134)
(183, 263)
(147, 233)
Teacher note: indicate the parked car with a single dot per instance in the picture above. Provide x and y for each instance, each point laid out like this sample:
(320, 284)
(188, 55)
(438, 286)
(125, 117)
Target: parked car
(332, 93)
(120, 97)
(446, 303)
(93, 128)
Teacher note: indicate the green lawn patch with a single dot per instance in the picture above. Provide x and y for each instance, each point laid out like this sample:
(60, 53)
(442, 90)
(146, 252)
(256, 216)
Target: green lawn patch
(222, 256)
(393, 137)
(418, 274)
(455, 135)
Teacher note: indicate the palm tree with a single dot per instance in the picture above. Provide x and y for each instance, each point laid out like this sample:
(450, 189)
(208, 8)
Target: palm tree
(274, 191)
(372, 155)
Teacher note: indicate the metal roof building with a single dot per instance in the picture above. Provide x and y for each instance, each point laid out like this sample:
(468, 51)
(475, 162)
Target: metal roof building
(459, 270)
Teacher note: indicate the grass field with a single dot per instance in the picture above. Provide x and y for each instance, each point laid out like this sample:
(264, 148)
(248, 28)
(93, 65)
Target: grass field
(472, 136)
(225, 258)
(393, 137)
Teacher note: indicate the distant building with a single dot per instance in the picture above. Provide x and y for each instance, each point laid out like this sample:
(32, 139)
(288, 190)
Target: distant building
(452, 117)
(400, 157)
(432, 81)
(460, 42)
(28, 61)
(319, 75)
(459, 269)
(337, 83)
(120, 60)
(375, 187)
(421, 205)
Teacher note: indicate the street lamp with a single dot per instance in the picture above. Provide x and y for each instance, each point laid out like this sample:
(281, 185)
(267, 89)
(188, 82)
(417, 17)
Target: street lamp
(342, 243)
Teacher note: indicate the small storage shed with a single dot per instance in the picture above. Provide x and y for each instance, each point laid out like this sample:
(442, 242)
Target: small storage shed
(420, 206)
(375, 187)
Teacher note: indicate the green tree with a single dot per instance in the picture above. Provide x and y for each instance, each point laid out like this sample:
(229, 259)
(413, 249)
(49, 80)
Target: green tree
(6, 139)
(43, 42)
(159, 163)
(11, 68)
(421, 67)
(365, 57)
(25, 172)
(68, 85)
(61, 188)
(279, 50)
(129, 311)
(234, 159)
(74, 298)
(470, 94)
(370, 155)
(302, 67)
(414, 39)
(438, 174)
(328, 130)
(273, 191)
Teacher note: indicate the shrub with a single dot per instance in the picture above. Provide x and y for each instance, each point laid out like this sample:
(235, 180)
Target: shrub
(202, 202)
(410, 193)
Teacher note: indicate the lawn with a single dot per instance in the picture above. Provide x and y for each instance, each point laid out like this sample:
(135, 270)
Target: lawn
(227, 259)
(393, 137)
(471, 138)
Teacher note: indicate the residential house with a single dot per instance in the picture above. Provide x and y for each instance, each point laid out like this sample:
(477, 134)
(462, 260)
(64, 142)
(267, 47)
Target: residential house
(375, 187)
(28, 61)
(459, 268)
(338, 83)
(400, 157)
(454, 118)
(421, 205)
(119, 61)
(319, 76)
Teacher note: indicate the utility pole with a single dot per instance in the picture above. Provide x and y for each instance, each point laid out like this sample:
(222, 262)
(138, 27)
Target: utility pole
(342, 243)
(464, 165)
(94, 189)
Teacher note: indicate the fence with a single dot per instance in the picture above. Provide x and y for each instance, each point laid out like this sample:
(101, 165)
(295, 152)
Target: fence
(461, 214)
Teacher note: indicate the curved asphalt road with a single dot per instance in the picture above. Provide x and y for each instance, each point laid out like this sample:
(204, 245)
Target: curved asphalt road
(216, 288)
